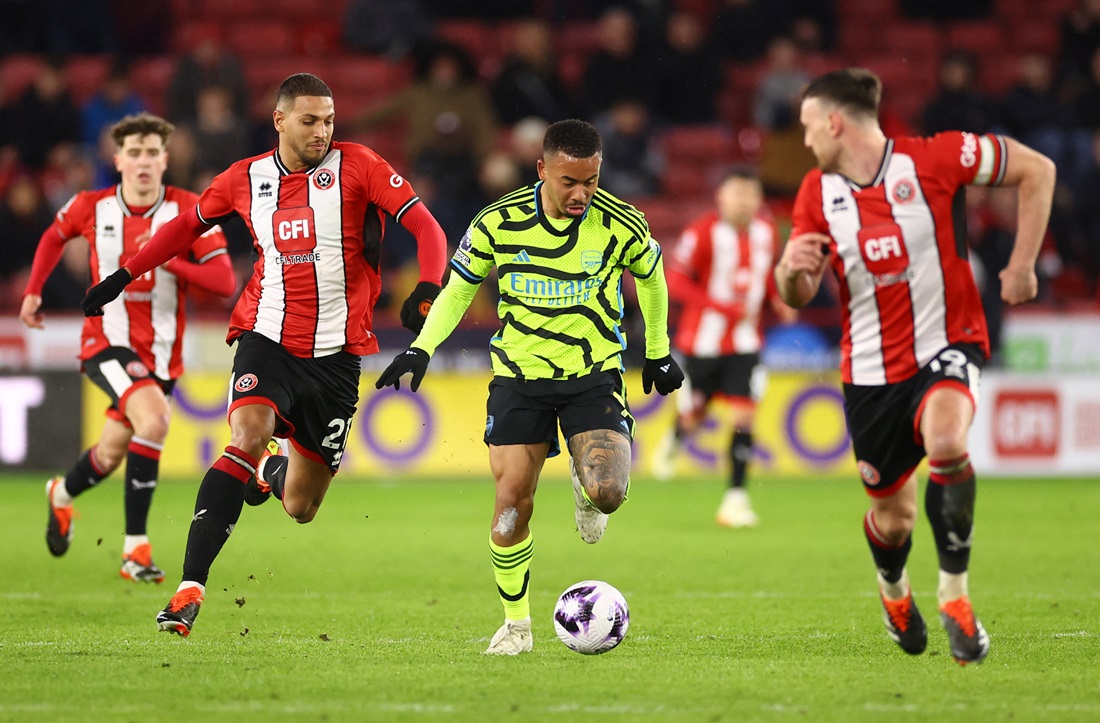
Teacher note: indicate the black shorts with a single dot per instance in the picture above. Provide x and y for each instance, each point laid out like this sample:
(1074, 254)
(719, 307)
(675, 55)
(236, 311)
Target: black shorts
(314, 399)
(734, 375)
(525, 411)
(118, 370)
(884, 421)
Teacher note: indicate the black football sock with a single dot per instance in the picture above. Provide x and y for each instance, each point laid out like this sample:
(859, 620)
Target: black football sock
(740, 456)
(142, 468)
(889, 559)
(949, 504)
(217, 509)
(84, 474)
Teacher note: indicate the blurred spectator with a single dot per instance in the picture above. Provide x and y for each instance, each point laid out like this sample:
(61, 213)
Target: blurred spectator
(220, 136)
(446, 103)
(209, 63)
(1088, 215)
(618, 69)
(745, 28)
(1088, 102)
(528, 83)
(775, 103)
(115, 100)
(1034, 113)
(69, 169)
(525, 147)
(393, 28)
(23, 216)
(451, 128)
(814, 26)
(497, 175)
(1080, 40)
(992, 235)
(689, 74)
(43, 116)
(742, 28)
(631, 162)
(959, 105)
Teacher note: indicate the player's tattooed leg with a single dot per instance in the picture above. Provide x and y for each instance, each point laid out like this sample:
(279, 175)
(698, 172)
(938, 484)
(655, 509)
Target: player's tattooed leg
(602, 459)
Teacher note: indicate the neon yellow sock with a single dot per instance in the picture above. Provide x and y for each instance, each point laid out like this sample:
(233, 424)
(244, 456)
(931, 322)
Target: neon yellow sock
(511, 570)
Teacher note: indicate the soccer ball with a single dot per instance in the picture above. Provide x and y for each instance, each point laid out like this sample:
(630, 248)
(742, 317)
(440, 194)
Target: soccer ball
(591, 617)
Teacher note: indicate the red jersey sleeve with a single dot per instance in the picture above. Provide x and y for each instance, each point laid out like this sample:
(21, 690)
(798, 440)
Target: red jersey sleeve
(967, 158)
(216, 202)
(807, 215)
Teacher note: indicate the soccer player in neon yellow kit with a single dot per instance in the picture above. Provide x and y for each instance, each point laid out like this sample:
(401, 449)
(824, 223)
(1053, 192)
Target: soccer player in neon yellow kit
(560, 248)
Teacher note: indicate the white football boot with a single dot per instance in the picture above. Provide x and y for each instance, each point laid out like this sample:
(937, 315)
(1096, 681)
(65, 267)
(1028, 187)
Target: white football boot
(513, 638)
(591, 523)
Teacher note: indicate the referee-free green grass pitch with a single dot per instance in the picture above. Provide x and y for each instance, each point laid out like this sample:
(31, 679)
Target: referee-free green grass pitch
(380, 609)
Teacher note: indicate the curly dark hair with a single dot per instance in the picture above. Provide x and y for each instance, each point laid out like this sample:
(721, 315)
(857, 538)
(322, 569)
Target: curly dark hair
(301, 84)
(141, 124)
(572, 137)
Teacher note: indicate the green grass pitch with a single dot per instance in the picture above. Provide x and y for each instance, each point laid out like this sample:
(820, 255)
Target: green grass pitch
(379, 610)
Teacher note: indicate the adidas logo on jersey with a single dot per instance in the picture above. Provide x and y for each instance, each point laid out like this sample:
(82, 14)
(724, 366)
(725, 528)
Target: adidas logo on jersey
(521, 258)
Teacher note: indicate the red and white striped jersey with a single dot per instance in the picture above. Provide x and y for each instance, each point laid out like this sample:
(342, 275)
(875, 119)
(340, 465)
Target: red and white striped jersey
(149, 317)
(899, 251)
(731, 271)
(317, 235)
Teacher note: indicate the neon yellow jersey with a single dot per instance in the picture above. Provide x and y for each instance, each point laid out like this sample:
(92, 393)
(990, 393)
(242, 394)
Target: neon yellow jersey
(560, 281)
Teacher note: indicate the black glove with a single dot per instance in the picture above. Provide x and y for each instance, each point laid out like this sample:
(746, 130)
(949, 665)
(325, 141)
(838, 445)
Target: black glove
(416, 307)
(105, 292)
(662, 373)
(411, 360)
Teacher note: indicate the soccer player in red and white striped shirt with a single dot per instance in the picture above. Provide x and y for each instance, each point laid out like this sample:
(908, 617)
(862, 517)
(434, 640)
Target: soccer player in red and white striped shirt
(721, 274)
(886, 216)
(316, 209)
(134, 350)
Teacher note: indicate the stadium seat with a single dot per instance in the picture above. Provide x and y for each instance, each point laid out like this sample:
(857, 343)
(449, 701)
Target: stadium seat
(151, 78)
(984, 38)
(233, 12)
(189, 34)
(18, 72)
(699, 144)
(577, 38)
(1042, 37)
(267, 38)
(85, 74)
(917, 42)
(319, 38)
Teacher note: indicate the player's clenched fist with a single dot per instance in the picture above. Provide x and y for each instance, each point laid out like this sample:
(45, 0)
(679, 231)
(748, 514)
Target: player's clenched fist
(105, 292)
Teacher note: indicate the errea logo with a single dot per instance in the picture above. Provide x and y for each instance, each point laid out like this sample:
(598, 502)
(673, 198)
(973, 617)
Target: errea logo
(265, 190)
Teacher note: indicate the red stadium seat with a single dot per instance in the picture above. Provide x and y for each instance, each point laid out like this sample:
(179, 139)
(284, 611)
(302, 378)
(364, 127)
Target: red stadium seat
(271, 37)
(84, 75)
(698, 144)
(231, 11)
(984, 38)
(18, 72)
(1042, 37)
(917, 42)
(188, 35)
(320, 38)
(151, 78)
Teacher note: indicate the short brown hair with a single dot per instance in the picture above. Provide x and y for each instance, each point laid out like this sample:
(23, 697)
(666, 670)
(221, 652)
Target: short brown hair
(857, 90)
(142, 124)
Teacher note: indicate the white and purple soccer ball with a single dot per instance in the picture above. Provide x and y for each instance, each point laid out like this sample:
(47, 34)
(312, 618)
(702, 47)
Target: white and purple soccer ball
(591, 617)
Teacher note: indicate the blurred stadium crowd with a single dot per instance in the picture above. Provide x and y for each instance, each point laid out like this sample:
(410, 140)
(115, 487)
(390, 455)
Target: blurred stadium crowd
(457, 93)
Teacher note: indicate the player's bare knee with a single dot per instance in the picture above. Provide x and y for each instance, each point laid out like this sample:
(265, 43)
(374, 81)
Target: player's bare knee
(152, 427)
(108, 460)
(946, 444)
